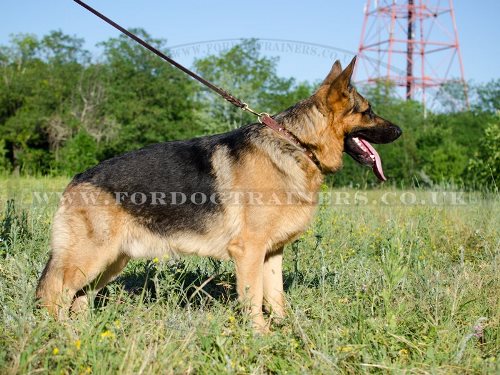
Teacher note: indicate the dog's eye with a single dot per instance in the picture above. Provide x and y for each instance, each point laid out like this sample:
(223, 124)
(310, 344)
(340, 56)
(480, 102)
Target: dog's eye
(368, 112)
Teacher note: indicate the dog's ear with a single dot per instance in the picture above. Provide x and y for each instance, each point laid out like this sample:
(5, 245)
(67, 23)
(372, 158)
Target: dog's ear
(336, 84)
(334, 73)
(343, 80)
(324, 88)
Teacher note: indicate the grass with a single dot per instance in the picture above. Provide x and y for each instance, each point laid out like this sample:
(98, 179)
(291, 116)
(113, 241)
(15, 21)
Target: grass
(371, 288)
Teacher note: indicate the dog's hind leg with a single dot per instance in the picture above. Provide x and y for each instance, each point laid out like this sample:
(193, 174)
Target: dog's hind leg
(70, 271)
(81, 302)
(85, 244)
(50, 287)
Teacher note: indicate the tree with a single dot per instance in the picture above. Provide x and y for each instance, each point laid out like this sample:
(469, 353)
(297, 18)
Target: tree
(38, 77)
(451, 96)
(488, 96)
(150, 100)
(60, 48)
(249, 76)
(484, 166)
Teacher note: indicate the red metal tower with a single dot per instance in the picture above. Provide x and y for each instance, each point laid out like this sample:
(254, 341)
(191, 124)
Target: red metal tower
(412, 43)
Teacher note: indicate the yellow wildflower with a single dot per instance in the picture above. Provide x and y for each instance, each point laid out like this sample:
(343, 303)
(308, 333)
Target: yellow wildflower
(107, 333)
(346, 349)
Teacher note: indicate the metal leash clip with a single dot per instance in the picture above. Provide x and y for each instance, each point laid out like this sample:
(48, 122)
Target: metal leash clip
(258, 114)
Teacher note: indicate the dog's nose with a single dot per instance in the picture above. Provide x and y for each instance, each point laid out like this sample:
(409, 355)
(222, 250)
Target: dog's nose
(397, 132)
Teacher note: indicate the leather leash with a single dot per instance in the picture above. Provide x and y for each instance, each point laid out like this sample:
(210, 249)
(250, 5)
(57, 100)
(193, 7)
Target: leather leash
(263, 117)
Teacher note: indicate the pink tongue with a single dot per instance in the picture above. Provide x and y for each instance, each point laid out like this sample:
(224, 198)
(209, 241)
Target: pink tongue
(377, 165)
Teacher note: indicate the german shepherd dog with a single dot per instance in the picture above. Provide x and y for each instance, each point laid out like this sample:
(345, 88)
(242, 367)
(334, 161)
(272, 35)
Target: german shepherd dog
(172, 198)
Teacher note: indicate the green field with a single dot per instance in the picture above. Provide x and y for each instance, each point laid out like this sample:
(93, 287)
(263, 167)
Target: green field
(384, 285)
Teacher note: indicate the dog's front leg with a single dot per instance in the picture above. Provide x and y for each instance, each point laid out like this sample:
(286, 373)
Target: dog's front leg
(273, 283)
(249, 263)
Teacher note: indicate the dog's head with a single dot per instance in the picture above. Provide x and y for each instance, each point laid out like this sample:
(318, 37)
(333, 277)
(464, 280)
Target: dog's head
(351, 125)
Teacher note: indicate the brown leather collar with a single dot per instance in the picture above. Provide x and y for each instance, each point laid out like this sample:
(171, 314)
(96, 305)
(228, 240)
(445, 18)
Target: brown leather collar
(273, 124)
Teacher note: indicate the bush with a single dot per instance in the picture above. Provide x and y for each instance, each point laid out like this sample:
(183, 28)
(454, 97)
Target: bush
(4, 161)
(484, 166)
(78, 154)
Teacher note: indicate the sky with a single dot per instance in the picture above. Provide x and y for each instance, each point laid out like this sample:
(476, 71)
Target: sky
(332, 23)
